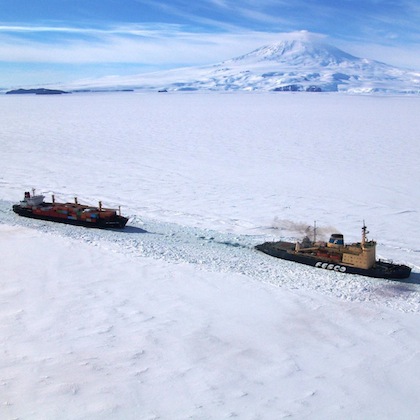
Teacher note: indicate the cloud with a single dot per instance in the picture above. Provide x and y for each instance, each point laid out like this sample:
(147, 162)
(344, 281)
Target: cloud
(165, 44)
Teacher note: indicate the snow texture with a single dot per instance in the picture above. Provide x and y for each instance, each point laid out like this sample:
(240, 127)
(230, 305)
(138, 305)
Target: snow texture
(178, 316)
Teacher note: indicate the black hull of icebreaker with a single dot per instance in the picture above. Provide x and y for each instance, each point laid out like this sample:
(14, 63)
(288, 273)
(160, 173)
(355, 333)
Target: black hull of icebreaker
(381, 269)
(116, 222)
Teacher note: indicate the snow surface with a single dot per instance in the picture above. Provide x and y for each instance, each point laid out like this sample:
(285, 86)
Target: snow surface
(178, 316)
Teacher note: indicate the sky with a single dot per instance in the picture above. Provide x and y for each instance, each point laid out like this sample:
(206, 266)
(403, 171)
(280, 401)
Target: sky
(58, 41)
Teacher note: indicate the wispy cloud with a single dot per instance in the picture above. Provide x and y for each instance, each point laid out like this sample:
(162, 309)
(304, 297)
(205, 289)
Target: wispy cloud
(131, 43)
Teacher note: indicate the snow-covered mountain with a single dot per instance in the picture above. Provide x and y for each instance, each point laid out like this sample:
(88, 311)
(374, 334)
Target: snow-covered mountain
(297, 65)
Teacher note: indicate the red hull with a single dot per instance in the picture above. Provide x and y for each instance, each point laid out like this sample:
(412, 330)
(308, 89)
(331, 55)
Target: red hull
(74, 214)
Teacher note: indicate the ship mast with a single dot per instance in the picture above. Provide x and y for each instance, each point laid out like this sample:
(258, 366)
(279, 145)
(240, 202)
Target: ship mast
(364, 233)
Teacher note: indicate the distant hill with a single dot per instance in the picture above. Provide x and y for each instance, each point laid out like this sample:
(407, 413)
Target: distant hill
(38, 91)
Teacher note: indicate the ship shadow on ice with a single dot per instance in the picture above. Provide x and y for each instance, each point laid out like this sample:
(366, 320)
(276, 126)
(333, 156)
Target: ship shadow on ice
(413, 279)
(405, 289)
(133, 229)
(408, 285)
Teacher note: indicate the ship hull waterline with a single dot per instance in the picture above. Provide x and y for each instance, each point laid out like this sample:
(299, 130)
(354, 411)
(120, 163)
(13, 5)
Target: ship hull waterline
(118, 222)
(381, 269)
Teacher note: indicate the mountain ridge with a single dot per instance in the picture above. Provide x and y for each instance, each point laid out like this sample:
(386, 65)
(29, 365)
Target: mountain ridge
(293, 65)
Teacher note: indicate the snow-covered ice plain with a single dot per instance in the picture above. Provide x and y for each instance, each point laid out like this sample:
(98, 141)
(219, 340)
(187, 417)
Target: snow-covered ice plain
(178, 316)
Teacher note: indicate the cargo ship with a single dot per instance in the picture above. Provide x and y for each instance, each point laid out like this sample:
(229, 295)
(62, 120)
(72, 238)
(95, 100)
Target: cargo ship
(35, 207)
(335, 255)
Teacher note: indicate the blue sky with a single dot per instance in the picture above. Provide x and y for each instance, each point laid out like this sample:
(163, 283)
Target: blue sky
(56, 41)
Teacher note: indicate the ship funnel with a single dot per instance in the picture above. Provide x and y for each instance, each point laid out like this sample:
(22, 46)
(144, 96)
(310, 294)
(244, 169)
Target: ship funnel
(336, 240)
